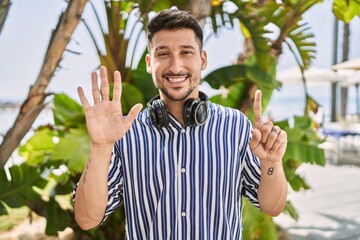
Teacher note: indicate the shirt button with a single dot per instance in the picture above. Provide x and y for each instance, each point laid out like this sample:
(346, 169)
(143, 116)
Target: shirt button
(183, 214)
(183, 130)
(183, 170)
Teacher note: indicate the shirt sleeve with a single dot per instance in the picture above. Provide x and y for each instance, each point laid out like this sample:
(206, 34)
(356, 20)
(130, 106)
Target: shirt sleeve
(251, 173)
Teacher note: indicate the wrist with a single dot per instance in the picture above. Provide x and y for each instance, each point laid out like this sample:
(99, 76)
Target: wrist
(270, 167)
(268, 163)
(102, 146)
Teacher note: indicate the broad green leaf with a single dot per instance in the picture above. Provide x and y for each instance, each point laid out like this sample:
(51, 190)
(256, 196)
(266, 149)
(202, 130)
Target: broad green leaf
(18, 191)
(67, 112)
(296, 182)
(63, 185)
(56, 217)
(141, 79)
(302, 122)
(303, 151)
(38, 147)
(234, 96)
(229, 75)
(131, 96)
(73, 150)
(257, 225)
(294, 134)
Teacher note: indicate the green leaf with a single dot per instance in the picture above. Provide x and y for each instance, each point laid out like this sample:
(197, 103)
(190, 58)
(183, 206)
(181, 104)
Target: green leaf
(73, 150)
(296, 181)
(56, 217)
(67, 112)
(141, 79)
(131, 96)
(346, 10)
(257, 225)
(236, 93)
(302, 122)
(229, 75)
(306, 152)
(311, 105)
(291, 211)
(19, 190)
(63, 185)
(38, 147)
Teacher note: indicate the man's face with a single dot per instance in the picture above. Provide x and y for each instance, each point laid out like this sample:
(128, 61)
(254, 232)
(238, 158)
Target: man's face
(175, 63)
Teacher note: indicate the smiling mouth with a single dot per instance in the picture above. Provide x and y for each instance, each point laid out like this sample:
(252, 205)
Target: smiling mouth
(176, 79)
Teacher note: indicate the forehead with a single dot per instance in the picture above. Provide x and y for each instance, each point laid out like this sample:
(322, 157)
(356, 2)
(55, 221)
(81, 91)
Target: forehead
(174, 39)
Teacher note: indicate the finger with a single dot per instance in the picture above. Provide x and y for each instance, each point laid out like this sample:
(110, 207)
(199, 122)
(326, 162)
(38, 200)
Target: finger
(104, 83)
(265, 131)
(281, 139)
(273, 138)
(258, 123)
(282, 148)
(95, 88)
(83, 100)
(117, 87)
(255, 139)
(134, 111)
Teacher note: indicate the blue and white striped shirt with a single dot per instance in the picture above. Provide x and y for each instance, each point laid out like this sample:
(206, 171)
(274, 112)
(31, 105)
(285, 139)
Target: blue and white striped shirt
(184, 183)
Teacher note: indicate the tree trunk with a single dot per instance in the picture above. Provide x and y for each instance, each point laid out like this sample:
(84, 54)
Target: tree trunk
(200, 9)
(35, 101)
(4, 10)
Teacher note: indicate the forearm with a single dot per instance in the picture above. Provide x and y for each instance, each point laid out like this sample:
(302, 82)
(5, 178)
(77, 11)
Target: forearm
(92, 191)
(272, 192)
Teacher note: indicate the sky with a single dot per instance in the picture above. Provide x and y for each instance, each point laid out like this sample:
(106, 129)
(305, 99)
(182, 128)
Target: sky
(25, 36)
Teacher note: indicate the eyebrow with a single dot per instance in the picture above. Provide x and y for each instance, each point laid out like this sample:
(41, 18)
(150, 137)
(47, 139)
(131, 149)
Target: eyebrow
(182, 47)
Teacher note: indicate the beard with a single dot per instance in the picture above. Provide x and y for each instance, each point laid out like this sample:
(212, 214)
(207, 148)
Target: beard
(176, 96)
(180, 93)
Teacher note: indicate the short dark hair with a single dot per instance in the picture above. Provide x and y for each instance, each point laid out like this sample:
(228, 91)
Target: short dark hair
(174, 19)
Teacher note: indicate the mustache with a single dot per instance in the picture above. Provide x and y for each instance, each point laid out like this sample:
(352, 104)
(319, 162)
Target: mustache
(180, 74)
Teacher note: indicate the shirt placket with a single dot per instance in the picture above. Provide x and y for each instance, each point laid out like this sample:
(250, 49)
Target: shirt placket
(182, 187)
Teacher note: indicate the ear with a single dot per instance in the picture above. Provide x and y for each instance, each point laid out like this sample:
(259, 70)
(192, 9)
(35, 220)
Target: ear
(203, 59)
(148, 66)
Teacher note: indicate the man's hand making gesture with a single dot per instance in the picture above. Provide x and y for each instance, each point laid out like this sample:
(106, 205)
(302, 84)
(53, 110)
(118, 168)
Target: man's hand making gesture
(106, 124)
(105, 121)
(268, 141)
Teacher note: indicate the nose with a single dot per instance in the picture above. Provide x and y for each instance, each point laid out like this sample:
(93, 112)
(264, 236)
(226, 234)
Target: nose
(176, 64)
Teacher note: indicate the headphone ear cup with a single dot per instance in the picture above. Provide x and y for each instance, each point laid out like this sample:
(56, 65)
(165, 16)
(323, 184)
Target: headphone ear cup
(201, 112)
(158, 113)
(187, 112)
(195, 111)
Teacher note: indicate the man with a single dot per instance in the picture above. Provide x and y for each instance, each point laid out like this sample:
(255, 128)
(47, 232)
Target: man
(182, 165)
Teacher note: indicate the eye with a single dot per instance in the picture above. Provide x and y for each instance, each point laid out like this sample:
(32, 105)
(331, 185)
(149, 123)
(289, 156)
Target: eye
(163, 54)
(186, 52)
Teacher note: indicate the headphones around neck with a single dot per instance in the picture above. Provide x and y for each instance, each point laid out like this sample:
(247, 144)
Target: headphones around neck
(194, 113)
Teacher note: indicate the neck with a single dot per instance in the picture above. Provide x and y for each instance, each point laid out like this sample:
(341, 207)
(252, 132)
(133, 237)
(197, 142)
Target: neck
(175, 108)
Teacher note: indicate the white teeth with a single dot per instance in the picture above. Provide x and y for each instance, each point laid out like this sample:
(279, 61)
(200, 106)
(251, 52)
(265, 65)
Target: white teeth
(175, 80)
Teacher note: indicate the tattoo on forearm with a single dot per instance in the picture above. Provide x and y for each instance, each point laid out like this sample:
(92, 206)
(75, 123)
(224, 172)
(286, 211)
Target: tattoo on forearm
(85, 172)
(270, 171)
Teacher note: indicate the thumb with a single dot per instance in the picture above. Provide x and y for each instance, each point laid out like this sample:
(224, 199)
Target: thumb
(255, 139)
(134, 111)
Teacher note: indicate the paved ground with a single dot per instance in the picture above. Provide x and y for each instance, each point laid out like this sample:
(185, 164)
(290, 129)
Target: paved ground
(331, 209)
